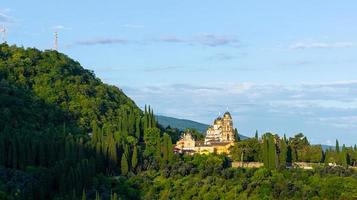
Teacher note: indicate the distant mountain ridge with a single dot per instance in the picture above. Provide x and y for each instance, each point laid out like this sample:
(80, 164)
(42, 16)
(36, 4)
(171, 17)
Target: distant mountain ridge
(183, 124)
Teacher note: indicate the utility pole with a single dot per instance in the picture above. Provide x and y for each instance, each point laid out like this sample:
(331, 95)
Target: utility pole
(55, 46)
(3, 34)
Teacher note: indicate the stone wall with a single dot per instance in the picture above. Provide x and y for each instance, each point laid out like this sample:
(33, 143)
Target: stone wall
(247, 164)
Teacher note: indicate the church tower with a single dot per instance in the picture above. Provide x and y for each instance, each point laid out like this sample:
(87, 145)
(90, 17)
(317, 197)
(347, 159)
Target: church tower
(227, 128)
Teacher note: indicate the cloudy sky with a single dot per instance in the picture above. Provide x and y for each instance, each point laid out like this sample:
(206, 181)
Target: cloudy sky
(280, 66)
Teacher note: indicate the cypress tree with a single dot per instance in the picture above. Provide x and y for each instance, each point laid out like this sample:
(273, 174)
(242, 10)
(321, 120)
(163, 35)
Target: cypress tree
(327, 156)
(134, 158)
(149, 118)
(265, 151)
(145, 121)
(113, 196)
(137, 128)
(97, 197)
(236, 134)
(283, 154)
(95, 132)
(170, 150)
(166, 149)
(157, 153)
(84, 195)
(124, 165)
(343, 156)
(272, 153)
(153, 121)
(256, 135)
(337, 148)
(289, 156)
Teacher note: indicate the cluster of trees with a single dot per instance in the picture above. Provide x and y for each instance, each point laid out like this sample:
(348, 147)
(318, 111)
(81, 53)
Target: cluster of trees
(209, 177)
(345, 156)
(276, 152)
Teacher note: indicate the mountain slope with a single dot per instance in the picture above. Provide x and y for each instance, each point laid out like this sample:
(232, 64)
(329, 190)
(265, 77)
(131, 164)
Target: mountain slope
(23, 112)
(181, 124)
(48, 104)
(60, 81)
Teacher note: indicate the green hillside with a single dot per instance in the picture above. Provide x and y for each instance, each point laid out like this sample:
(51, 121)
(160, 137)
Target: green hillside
(49, 105)
(62, 82)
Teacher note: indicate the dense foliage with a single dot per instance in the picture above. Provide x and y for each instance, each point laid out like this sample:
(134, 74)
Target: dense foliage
(58, 118)
(276, 152)
(207, 177)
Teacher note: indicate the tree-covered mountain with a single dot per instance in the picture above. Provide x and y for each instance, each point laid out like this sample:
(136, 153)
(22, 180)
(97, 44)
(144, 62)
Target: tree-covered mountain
(58, 118)
(181, 124)
(62, 82)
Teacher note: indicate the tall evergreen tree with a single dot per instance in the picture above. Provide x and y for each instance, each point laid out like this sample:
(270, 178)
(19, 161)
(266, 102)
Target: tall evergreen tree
(113, 196)
(272, 153)
(236, 135)
(269, 152)
(134, 158)
(84, 195)
(283, 154)
(337, 148)
(256, 134)
(166, 149)
(137, 128)
(97, 196)
(265, 151)
(343, 156)
(124, 164)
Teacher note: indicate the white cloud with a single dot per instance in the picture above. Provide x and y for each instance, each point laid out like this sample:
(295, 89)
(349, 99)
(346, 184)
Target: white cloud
(343, 122)
(4, 18)
(321, 45)
(97, 41)
(60, 27)
(212, 40)
(331, 104)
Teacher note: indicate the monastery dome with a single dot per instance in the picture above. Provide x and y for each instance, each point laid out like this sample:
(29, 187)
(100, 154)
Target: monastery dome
(227, 114)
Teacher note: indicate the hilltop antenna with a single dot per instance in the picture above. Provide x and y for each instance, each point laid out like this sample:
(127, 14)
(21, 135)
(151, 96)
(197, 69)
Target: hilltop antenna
(3, 34)
(55, 46)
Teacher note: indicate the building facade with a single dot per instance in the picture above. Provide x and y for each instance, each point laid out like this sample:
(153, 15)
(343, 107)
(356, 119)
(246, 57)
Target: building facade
(219, 138)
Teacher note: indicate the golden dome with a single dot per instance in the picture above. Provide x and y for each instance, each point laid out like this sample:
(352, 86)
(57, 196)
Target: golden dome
(227, 115)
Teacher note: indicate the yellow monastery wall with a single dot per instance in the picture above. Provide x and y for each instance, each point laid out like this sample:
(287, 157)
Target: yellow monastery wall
(219, 149)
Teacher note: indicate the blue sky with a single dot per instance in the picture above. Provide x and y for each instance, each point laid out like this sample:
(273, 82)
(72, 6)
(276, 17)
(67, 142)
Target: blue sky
(279, 66)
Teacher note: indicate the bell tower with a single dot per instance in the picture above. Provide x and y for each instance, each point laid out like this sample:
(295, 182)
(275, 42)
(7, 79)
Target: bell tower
(227, 128)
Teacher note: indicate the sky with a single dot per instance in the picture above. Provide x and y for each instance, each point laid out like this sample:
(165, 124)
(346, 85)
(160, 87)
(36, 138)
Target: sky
(278, 66)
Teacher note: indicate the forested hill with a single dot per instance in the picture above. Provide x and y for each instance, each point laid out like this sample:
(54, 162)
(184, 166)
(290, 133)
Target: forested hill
(181, 124)
(48, 105)
(57, 80)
